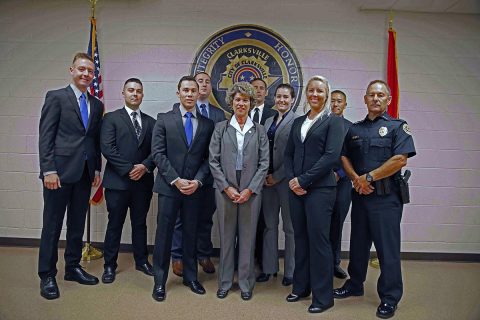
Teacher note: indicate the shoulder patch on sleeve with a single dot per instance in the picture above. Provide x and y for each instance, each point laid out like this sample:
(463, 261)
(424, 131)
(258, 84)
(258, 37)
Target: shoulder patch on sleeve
(406, 128)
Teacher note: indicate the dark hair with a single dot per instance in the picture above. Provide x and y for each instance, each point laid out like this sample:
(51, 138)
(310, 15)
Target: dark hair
(382, 82)
(136, 80)
(259, 79)
(82, 55)
(203, 72)
(186, 78)
(340, 92)
(286, 86)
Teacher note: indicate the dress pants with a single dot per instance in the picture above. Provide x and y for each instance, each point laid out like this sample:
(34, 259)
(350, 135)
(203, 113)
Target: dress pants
(168, 208)
(376, 218)
(311, 216)
(275, 198)
(230, 217)
(204, 230)
(340, 211)
(118, 202)
(72, 197)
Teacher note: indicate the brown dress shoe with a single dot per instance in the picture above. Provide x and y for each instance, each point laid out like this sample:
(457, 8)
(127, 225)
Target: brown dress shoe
(207, 265)
(177, 267)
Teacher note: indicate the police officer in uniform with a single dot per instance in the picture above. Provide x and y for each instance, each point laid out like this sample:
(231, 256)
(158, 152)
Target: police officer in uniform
(375, 150)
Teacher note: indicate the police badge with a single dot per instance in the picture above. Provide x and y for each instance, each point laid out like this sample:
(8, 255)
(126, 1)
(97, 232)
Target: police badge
(382, 131)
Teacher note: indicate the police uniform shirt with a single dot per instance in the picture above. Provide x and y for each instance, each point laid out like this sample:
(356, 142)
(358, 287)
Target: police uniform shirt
(370, 143)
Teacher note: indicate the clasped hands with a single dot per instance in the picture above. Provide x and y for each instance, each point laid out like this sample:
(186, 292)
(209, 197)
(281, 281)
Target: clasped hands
(269, 181)
(238, 197)
(362, 186)
(187, 187)
(137, 172)
(294, 185)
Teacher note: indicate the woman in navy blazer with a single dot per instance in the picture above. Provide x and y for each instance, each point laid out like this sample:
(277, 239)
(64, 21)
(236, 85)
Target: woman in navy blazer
(312, 151)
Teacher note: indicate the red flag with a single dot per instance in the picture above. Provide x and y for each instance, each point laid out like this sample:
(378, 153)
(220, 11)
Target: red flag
(96, 88)
(392, 73)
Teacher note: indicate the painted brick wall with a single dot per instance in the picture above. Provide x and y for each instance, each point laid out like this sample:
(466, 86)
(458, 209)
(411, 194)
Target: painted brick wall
(439, 63)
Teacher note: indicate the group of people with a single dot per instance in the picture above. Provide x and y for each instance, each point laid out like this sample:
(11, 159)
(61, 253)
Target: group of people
(260, 163)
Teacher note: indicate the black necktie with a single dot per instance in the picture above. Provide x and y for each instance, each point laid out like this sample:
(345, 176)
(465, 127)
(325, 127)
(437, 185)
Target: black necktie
(136, 125)
(256, 115)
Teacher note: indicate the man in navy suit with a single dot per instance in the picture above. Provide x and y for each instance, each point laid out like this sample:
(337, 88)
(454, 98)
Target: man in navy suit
(126, 141)
(180, 151)
(70, 164)
(344, 191)
(205, 223)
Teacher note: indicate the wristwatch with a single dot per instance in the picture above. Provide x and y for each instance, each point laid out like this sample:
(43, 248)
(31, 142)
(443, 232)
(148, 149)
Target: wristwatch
(369, 177)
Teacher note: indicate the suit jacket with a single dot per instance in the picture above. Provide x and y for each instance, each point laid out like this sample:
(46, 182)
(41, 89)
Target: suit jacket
(216, 115)
(313, 160)
(64, 144)
(173, 157)
(122, 149)
(267, 113)
(280, 142)
(223, 150)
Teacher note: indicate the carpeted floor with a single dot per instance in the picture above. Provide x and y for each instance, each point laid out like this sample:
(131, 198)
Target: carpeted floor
(432, 290)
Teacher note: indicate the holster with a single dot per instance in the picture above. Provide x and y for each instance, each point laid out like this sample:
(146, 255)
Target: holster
(402, 181)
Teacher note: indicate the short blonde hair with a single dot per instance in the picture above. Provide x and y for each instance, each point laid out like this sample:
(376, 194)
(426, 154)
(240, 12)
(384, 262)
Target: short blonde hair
(244, 88)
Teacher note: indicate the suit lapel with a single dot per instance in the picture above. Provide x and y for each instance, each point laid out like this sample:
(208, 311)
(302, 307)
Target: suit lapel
(248, 136)
(284, 123)
(128, 122)
(298, 129)
(177, 117)
(232, 134)
(198, 132)
(144, 127)
(74, 102)
(315, 126)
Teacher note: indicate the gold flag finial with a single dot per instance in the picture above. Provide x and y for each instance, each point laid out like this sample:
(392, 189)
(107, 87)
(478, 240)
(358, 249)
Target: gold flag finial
(390, 19)
(93, 3)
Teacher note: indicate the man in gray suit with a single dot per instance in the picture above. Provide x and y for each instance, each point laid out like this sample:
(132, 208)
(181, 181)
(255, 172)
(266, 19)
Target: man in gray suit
(275, 192)
(205, 223)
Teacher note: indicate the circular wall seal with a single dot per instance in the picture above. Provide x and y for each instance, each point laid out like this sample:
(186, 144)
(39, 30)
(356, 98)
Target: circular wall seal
(245, 52)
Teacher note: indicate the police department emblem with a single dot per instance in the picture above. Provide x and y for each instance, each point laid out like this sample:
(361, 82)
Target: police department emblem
(245, 52)
(382, 131)
(406, 128)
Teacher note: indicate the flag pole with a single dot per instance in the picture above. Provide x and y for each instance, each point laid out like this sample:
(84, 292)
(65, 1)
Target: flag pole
(89, 252)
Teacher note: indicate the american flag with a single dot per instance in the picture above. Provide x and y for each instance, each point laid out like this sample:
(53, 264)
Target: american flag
(96, 88)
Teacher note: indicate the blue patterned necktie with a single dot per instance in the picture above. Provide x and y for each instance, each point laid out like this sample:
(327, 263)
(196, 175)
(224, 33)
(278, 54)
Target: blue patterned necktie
(136, 125)
(203, 110)
(189, 128)
(84, 110)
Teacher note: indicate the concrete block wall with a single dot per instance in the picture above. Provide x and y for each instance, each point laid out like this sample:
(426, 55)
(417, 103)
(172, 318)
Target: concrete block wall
(438, 59)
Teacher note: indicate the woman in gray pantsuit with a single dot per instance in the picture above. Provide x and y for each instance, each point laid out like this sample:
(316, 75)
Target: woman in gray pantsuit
(275, 193)
(239, 164)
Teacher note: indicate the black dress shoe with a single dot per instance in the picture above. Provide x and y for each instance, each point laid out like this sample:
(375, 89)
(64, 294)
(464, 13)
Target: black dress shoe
(286, 281)
(315, 309)
(195, 286)
(49, 289)
(292, 297)
(386, 311)
(81, 276)
(222, 294)
(108, 275)
(246, 295)
(145, 268)
(263, 277)
(339, 273)
(159, 292)
(342, 293)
